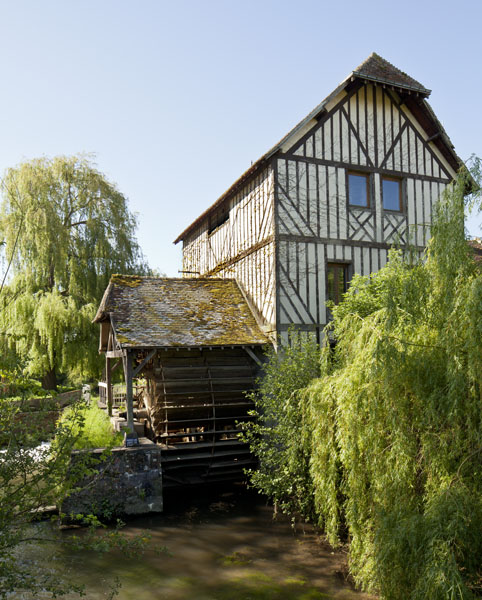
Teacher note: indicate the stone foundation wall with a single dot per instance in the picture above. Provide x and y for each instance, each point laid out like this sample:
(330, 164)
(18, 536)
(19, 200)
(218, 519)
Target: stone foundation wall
(127, 482)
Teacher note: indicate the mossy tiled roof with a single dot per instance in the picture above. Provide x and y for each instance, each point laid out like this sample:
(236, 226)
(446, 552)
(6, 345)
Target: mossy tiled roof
(155, 312)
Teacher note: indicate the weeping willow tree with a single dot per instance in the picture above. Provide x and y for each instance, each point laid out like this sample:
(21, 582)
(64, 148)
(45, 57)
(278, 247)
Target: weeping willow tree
(65, 230)
(394, 427)
(385, 447)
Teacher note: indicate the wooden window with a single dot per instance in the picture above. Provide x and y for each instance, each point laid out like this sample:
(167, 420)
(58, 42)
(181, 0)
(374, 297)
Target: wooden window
(359, 189)
(336, 281)
(392, 194)
(217, 219)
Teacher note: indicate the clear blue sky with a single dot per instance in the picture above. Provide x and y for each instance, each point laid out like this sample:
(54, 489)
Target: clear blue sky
(176, 98)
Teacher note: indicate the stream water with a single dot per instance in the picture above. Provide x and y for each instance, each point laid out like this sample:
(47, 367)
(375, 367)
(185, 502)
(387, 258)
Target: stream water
(223, 544)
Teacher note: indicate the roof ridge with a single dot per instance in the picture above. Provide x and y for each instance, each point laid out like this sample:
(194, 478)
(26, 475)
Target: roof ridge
(118, 277)
(377, 68)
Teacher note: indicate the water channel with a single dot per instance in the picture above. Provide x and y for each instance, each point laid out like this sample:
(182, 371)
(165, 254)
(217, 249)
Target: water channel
(223, 544)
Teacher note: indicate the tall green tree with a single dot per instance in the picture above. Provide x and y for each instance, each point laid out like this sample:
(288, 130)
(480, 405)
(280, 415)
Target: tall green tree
(395, 422)
(65, 230)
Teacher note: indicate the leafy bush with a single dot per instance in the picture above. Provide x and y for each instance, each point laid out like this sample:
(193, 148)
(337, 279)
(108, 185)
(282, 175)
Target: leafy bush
(16, 385)
(283, 472)
(396, 421)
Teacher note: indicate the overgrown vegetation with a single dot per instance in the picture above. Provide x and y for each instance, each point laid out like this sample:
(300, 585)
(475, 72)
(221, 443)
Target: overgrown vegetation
(31, 476)
(35, 475)
(90, 427)
(283, 472)
(392, 430)
(64, 229)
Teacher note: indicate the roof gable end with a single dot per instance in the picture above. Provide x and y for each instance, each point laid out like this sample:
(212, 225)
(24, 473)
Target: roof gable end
(374, 69)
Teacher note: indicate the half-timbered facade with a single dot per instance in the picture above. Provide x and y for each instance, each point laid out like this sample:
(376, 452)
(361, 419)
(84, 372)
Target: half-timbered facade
(359, 174)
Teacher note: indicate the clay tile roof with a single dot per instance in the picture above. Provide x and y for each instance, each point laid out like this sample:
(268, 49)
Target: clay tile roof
(376, 68)
(154, 312)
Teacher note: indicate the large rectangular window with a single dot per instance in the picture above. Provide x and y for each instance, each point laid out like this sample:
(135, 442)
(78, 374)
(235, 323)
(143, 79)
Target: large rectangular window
(392, 194)
(336, 281)
(359, 189)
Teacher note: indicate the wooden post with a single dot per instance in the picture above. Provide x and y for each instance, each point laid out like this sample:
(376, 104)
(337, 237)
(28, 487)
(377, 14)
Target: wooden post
(108, 380)
(129, 402)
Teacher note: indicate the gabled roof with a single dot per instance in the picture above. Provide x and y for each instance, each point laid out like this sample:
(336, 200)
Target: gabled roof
(376, 69)
(155, 312)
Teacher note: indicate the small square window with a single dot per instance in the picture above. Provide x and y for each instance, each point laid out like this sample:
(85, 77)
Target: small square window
(392, 194)
(358, 190)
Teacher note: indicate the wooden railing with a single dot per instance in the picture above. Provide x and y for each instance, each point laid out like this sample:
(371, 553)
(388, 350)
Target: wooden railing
(118, 393)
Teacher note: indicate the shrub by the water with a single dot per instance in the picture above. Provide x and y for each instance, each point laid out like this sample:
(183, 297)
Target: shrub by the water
(283, 472)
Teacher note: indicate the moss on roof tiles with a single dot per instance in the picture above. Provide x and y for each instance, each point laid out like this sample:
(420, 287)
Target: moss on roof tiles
(157, 312)
(129, 280)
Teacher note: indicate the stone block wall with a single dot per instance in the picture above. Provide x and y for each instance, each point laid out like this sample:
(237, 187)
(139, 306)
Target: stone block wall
(126, 482)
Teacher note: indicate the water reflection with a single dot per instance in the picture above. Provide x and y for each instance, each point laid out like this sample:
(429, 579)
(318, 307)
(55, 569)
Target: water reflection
(223, 545)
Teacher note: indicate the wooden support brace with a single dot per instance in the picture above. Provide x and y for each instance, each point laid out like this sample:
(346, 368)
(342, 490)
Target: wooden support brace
(139, 368)
(434, 136)
(253, 356)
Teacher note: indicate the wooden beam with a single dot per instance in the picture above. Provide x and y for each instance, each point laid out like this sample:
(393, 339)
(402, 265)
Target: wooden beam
(108, 379)
(128, 378)
(115, 354)
(253, 356)
(115, 366)
(143, 363)
(434, 137)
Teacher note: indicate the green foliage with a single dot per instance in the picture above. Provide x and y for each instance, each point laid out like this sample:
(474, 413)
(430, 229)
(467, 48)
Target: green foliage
(31, 476)
(91, 427)
(392, 430)
(66, 230)
(13, 385)
(35, 475)
(283, 472)
(396, 421)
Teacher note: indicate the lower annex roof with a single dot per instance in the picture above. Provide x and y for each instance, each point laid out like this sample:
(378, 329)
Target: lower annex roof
(160, 312)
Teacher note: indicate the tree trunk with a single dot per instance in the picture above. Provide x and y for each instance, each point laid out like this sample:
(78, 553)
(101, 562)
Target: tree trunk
(49, 380)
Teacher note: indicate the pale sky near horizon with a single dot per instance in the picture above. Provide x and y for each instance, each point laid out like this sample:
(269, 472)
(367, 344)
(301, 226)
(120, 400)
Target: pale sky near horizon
(176, 99)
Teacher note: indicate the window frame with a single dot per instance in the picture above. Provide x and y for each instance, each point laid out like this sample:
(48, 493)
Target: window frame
(338, 265)
(217, 219)
(367, 177)
(401, 203)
